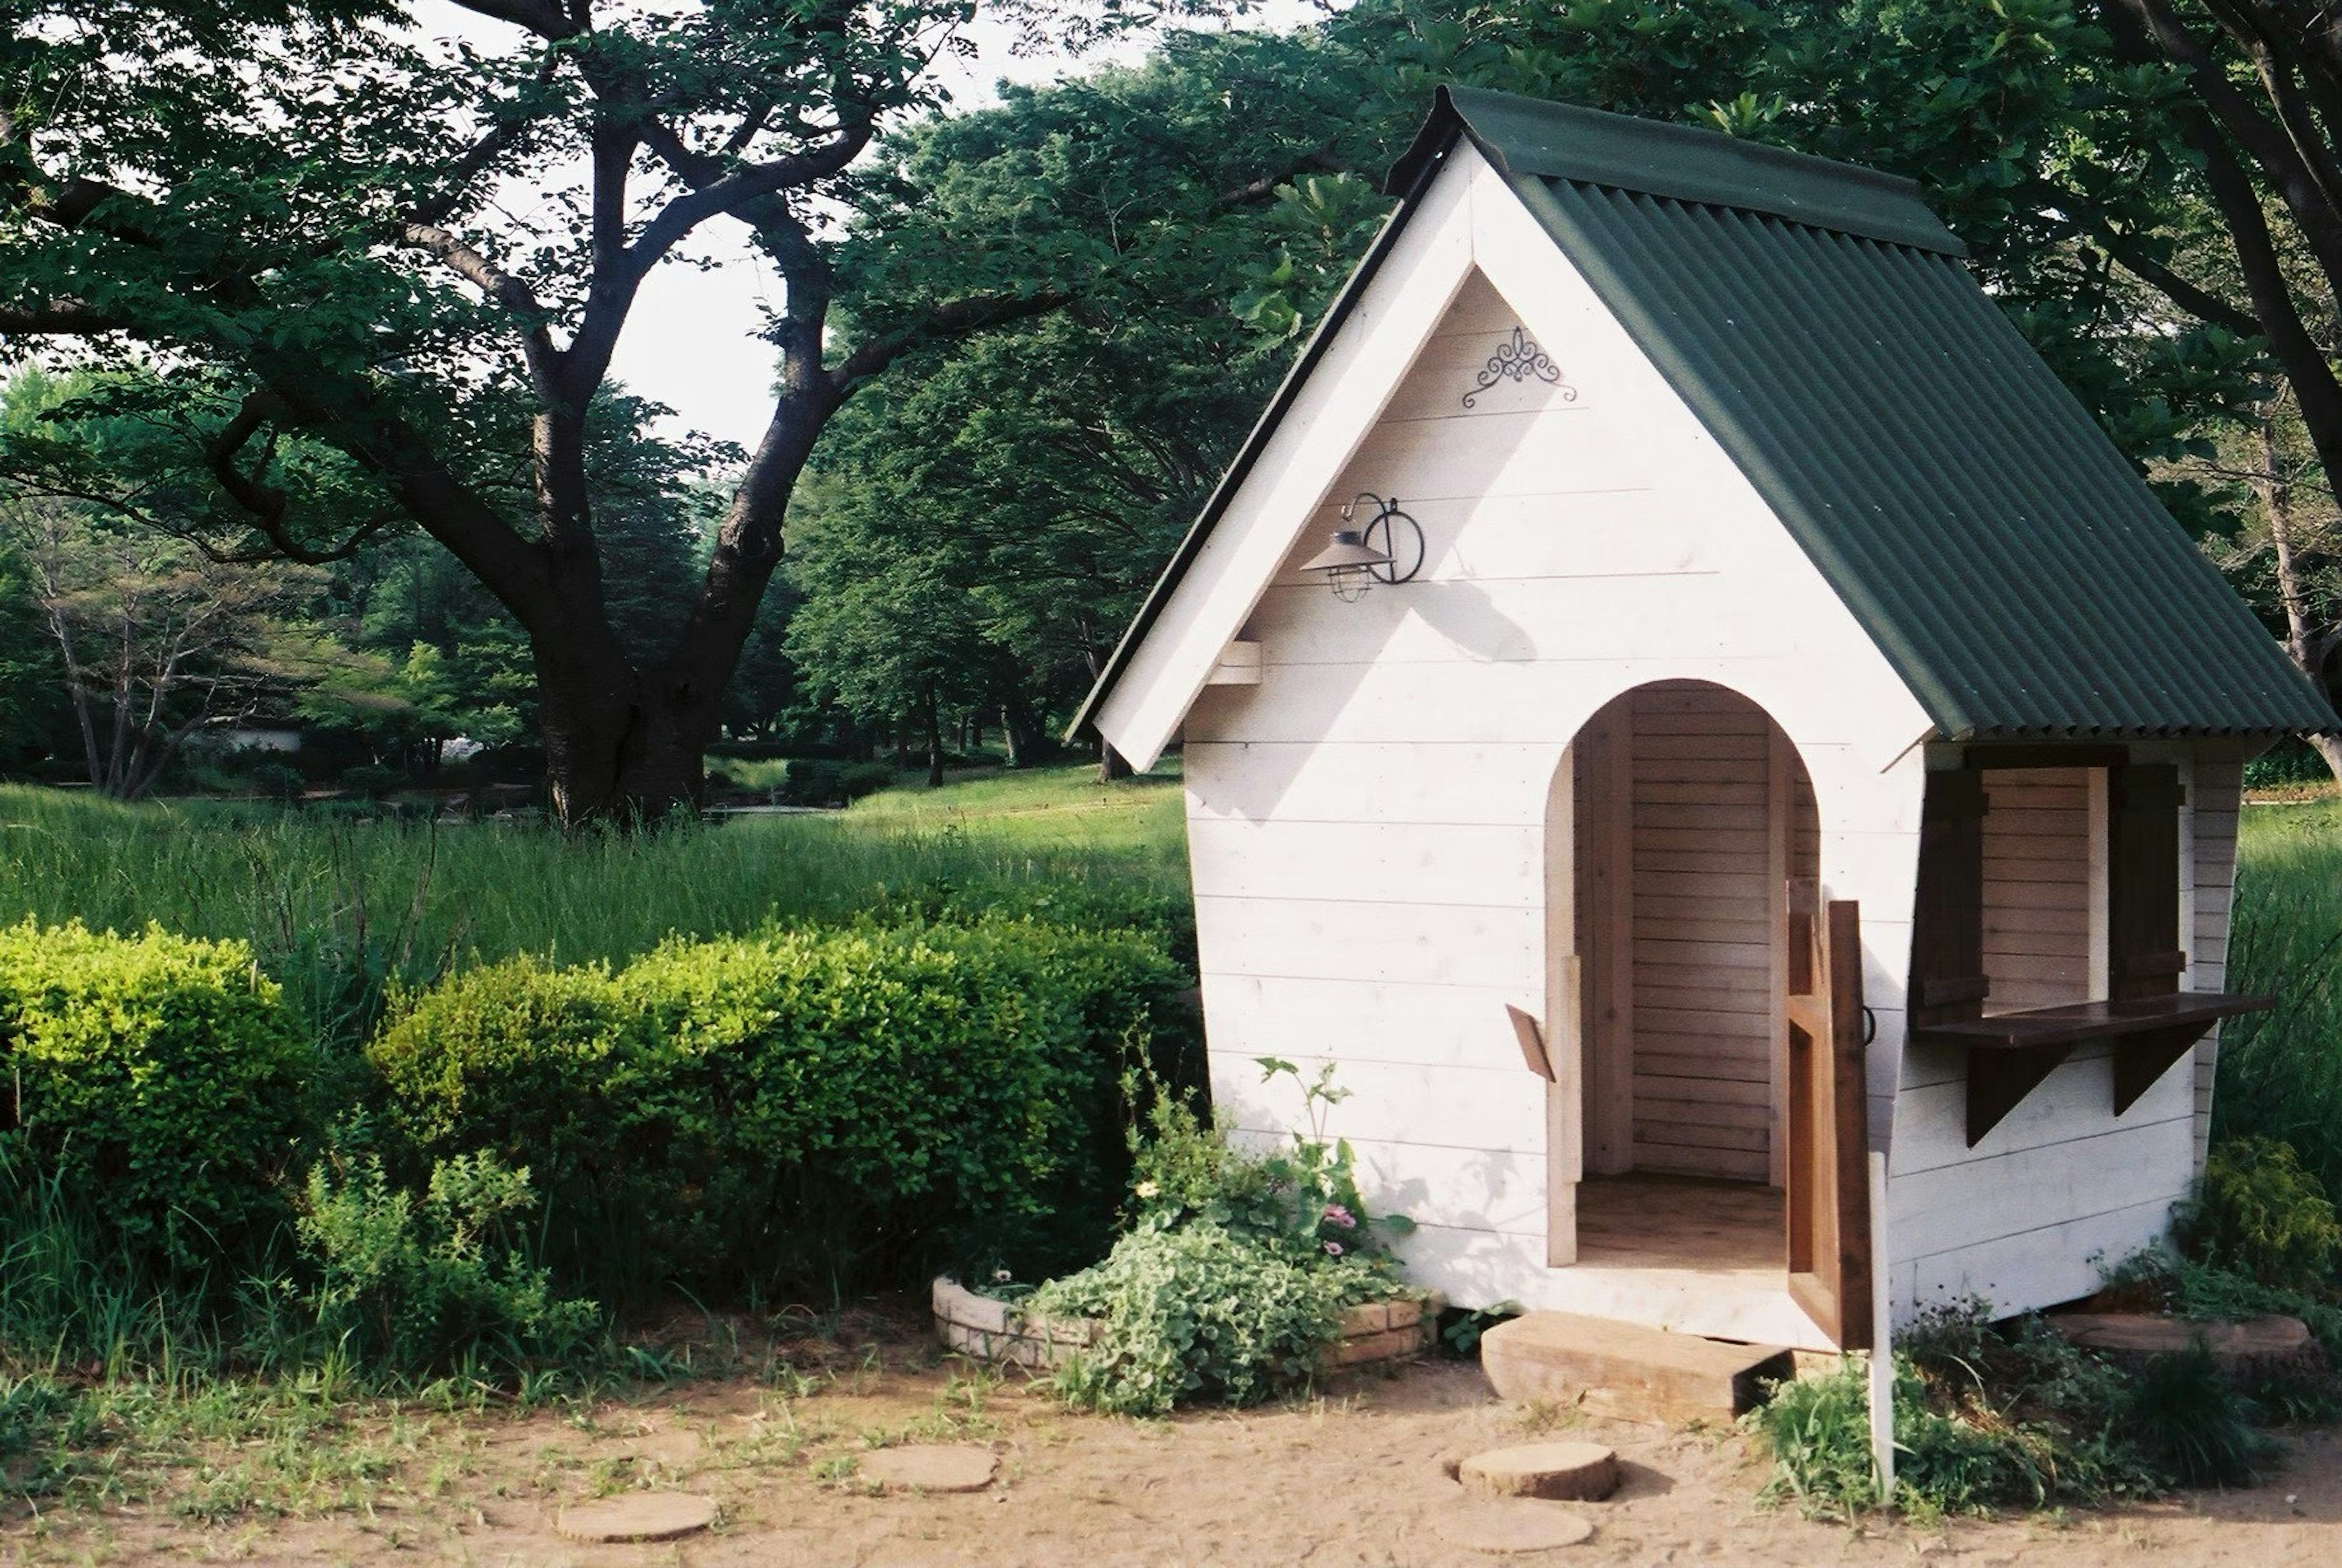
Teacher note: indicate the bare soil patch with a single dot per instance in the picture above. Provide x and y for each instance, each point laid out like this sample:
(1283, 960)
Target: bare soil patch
(1352, 1477)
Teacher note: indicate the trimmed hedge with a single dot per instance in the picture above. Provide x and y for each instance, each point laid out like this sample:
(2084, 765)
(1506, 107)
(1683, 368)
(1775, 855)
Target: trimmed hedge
(810, 1109)
(161, 1072)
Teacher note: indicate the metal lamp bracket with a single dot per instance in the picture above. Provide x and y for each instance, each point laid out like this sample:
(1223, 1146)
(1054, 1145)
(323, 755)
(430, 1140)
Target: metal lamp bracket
(1390, 531)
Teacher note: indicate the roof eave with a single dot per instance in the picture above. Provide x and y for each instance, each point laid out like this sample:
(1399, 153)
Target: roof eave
(1421, 165)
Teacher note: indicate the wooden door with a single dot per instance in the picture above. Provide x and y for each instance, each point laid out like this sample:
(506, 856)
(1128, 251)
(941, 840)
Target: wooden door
(1828, 1195)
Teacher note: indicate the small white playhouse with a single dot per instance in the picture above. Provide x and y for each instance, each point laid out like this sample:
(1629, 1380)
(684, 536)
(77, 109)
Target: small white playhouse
(1753, 819)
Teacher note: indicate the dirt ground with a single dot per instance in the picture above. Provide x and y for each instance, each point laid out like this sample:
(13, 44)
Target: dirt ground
(1352, 1478)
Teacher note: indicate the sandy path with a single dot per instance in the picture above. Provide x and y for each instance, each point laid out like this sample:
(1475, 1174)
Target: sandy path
(1354, 1478)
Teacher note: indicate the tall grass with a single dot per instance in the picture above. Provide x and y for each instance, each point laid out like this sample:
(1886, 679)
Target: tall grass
(338, 907)
(2281, 1071)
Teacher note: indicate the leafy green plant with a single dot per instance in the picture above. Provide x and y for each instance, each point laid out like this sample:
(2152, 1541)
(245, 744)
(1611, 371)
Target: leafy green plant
(424, 1287)
(1990, 1416)
(1237, 1265)
(162, 1072)
(2257, 1211)
(2190, 1423)
(1302, 1200)
(1202, 1313)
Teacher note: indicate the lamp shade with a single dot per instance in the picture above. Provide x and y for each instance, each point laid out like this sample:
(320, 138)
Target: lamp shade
(1350, 552)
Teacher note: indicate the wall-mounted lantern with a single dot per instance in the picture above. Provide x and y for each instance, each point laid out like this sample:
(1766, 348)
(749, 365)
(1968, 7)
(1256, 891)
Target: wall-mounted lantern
(1387, 547)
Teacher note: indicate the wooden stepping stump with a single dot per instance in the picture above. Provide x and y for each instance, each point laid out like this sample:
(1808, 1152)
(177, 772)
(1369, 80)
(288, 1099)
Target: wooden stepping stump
(637, 1516)
(1510, 1527)
(1626, 1370)
(1560, 1472)
(929, 1467)
(2256, 1347)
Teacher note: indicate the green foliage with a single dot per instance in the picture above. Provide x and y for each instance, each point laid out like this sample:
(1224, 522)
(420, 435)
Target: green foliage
(2189, 1423)
(2257, 1213)
(336, 909)
(1236, 1267)
(2280, 1076)
(164, 1072)
(2011, 1416)
(814, 781)
(801, 1108)
(1199, 1312)
(1303, 1201)
(419, 1288)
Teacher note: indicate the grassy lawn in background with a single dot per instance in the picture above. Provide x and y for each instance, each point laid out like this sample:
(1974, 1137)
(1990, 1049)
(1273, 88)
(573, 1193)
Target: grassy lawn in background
(334, 904)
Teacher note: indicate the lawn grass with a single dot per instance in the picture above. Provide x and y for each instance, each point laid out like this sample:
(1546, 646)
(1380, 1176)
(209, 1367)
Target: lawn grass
(333, 905)
(2281, 1071)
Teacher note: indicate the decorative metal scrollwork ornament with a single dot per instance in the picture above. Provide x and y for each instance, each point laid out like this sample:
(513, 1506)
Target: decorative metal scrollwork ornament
(1518, 359)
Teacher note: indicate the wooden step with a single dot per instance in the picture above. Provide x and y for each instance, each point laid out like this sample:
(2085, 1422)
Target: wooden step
(1626, 1370)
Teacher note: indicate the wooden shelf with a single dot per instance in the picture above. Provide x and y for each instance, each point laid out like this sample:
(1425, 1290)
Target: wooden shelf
(2010, 1053)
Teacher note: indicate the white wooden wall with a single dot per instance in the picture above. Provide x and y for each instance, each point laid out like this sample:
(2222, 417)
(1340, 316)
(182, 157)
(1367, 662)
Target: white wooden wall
(2215, 797)
(1368, 825)
(2044, 881)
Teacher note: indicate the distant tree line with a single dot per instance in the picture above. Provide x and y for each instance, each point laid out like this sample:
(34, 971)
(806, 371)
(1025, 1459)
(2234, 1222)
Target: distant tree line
(1020, 344)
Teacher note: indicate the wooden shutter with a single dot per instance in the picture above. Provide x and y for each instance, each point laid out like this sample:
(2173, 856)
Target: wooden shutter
(1948, 978)
(2143, 954)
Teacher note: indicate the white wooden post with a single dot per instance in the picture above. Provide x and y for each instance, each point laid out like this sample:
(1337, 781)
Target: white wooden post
(1882, 1338)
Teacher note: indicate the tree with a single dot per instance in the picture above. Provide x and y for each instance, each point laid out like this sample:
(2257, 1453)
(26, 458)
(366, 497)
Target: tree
(155, 641)
(1224, 187)
(306, 206)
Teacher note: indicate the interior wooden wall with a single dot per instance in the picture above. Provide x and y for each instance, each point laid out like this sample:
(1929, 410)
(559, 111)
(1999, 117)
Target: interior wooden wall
(2044, 888)
(1703, 933)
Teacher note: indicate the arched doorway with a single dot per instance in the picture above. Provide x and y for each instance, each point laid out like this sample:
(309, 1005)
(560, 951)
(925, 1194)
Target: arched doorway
(1681, 905)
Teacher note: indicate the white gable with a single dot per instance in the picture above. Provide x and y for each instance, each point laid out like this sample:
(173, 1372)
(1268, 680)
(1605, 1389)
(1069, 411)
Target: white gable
(1623, 480)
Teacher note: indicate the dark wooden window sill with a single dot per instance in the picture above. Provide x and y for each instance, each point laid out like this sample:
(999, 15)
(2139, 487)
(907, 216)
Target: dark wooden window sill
(2010, 1053)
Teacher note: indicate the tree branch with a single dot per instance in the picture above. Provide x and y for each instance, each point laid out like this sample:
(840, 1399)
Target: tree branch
(955, 319)
(547, 19)
(57, 317)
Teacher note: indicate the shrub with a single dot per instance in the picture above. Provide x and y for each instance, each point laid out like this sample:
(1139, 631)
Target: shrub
(805, 1108)
(816, 781)
(372, 780)
(435, 1286)
(1992, 1417)
(1237, 1267)
(1303, 1200)
(2189, 1423)
(162, 1072)
(1199, 1312)
(2259, 1212)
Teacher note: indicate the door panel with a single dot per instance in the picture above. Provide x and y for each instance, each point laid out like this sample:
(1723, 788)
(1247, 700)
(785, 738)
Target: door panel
(1828, 1167)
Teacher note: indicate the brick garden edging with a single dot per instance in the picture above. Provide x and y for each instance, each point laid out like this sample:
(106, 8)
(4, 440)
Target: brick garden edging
(998, 1332)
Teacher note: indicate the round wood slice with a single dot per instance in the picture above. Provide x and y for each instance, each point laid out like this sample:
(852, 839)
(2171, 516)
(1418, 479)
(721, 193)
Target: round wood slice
(929, 1467)
(1567, 1471)
(637, 1516)
(1510, 1527)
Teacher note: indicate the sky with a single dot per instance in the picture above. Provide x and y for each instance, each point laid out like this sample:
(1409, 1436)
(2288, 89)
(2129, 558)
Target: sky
(688, 343)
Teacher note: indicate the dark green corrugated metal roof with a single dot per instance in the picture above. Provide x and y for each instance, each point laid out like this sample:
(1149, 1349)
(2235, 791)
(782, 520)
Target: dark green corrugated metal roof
(1994, 541)
(1996, 544)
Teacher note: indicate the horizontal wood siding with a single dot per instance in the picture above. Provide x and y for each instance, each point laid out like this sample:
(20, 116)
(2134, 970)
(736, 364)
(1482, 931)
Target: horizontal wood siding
(2037, 887)
(2216, 797)
(1703, 939)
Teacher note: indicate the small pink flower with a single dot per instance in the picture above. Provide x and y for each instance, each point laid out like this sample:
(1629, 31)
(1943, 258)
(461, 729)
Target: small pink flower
(1333, 1249)
(1335, 1214)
